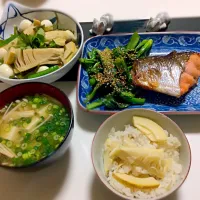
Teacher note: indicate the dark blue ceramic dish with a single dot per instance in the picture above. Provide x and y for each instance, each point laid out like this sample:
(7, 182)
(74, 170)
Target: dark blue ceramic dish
(163, 44)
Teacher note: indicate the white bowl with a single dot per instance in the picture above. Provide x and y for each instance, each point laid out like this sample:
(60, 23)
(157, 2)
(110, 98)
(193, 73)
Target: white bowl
(14, 13)
(118, 121)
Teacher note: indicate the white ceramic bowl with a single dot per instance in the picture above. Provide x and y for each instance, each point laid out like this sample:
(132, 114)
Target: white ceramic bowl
(118, 121)
(14, 13)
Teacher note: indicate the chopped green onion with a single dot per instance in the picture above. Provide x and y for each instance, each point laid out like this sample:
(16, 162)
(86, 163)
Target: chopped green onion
(45, 134)
(19, 154)
(56, 137)
(24, 146)
(9, 143)
(32, 151)
(34, 106)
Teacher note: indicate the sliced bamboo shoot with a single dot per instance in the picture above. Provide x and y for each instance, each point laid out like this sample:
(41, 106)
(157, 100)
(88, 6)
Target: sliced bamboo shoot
(149, 182)
(107, 162)
(151, 129)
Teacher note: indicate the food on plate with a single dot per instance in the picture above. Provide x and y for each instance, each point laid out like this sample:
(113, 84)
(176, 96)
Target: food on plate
(152, 130)
(173, 74)
(137, 165)
(33, 45)
(110, 77)
(6, 70)
(48, 26)
(149, 182)
(24, 24)
(118, 76)
(31, 129)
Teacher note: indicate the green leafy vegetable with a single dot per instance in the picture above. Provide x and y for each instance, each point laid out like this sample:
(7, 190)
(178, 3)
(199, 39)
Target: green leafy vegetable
(142, 43)
(92, 81)
(93, 54)
(95, 104)
(52, 44)
(133, 41)
(147, 46)
(111, 103)
(8, 40)
(92, 94)
(110, 76)
(121, 65)
(32, 41)
(38, 40)
(16, 32)
(129, 97)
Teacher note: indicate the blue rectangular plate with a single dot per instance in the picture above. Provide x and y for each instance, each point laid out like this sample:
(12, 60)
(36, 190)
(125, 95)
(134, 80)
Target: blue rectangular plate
(163, 44)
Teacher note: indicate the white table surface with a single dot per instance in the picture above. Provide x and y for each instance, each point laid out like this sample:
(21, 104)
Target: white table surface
(86, 10)
(73, 177)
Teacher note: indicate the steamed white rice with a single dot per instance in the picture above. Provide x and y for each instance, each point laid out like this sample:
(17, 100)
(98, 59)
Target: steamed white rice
(171, 150)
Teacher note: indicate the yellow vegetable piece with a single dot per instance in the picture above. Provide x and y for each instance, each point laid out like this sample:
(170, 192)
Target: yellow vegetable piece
(10, 56)
(151, 129)
(107, 162)
(149, 182)
(70, 51)
(13, 43)
(30, 30)
(148, 133)
(136, 152)
(51, 35)
(149, 159)
(60, 41)
(36, 22)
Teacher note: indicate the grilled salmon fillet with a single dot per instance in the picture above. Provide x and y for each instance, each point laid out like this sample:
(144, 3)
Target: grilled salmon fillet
(173, 74)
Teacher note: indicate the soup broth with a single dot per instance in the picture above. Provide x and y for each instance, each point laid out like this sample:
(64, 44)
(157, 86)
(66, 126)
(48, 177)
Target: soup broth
(30, 129)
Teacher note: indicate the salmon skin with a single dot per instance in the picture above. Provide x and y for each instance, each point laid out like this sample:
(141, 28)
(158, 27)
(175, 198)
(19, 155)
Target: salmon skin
(173, 74)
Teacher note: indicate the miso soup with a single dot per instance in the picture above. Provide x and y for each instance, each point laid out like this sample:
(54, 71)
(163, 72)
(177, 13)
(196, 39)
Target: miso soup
(30, 129)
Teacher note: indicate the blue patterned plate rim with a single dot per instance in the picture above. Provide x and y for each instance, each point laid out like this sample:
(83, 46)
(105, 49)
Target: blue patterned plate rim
(168, 110)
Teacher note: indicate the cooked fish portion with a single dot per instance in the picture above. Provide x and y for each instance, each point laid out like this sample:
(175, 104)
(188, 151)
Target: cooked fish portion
(173, 74)
(30, 58)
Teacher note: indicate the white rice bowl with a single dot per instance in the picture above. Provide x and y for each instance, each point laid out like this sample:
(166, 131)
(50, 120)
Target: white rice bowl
(171, 150)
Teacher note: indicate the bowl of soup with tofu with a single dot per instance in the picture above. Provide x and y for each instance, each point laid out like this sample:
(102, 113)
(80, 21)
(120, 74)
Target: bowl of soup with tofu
(36, 122)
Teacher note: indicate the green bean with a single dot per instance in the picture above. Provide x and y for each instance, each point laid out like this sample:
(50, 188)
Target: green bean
(42, 73)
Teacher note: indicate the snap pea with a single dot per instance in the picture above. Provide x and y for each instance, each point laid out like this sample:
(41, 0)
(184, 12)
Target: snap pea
(42, 73)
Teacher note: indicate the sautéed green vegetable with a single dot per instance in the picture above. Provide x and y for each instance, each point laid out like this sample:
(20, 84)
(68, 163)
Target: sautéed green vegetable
(31, 129)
